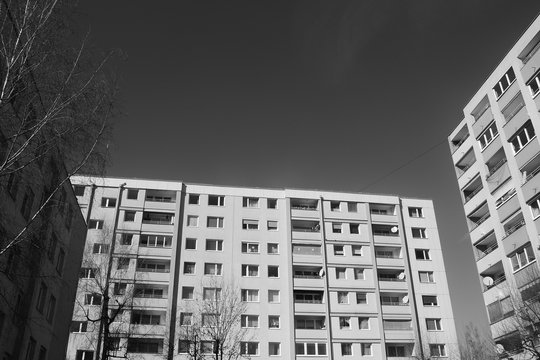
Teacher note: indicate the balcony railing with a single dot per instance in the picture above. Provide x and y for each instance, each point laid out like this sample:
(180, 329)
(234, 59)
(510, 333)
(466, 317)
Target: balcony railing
(474, 192)
(479, 222)
(391, 279)
(296, 276)
(496, 282)
(531, 53)
(509, 194)
(459, 143)
(165, 199)
(532, 174)
(464, 169)
(306, 301)
(513, 228)
(394, 303)
(487, 251)
(304, 207)
(313, 229)
(508, 115)
(387, 256)
(158, 222)
(384, 233)
(496, 167)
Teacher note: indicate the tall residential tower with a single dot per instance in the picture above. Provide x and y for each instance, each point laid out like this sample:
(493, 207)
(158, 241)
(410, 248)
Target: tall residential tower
(327, 274)
(496, 155)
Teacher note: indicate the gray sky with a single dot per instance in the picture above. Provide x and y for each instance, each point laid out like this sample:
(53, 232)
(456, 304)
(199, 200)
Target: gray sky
(311, 94)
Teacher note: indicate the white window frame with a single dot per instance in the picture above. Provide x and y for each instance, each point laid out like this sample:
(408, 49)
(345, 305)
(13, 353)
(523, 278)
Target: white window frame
(271, 293)
(272, 245)
(437, 350)
(247, 269)
(190, 222)
(346, 349)
(528, 133)
(218, 244)
(359, 274)
(428, 274)
(271, 321)
(426, 256)
(339, 272)
(249, 247)
(345, 323)
(220, 200)
(272, 225)
(535, 80)
(246, 348)
(434, 323)
(509, 81)
(250, 224)
(419, 233)
(274, 349)
(250, 202)
(416, 212)
(219, 222)
(213, 269)
(488, 136)
(249, 321)
(343, 297)
(248, 294)
(189, 268)
(522, 258)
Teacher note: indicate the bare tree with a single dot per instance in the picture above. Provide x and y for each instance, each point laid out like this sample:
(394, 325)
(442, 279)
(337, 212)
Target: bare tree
(55, 103)
(520, 322)
(475, 346)
(213, 328)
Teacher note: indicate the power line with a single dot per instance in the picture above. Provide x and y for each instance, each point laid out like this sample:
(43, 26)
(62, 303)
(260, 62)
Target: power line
(403, 165)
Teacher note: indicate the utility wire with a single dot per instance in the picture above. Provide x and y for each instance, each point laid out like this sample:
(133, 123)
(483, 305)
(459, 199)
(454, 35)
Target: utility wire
(403, 165)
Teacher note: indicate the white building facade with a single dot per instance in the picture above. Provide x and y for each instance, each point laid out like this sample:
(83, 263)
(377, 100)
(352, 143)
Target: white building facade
(326, 274)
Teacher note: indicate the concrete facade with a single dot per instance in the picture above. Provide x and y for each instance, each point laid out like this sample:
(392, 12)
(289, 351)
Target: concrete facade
(326, 274)
(496, 154)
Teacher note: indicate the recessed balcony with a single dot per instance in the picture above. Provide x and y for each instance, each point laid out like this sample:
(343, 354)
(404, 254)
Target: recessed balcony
(471, 189)
(478, 216)
(465, 163)
(493, 276)
(485, 246)
(383, 212)
(530, 180)
(459, 139)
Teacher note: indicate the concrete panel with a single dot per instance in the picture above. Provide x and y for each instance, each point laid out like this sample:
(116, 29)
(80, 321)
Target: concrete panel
(531, 187)
(508, 95)
(480, 125)
(515, 240)
(508, 208)
(528, 152)
(516, 122)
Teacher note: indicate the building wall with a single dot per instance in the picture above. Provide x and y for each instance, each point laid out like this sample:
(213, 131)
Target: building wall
(496, 151)
(346, 260)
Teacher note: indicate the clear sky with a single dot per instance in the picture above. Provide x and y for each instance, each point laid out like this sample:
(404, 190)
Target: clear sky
(315, 94)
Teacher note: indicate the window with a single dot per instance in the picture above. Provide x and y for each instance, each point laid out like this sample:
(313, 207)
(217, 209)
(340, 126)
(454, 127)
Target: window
(249, 348)
(272, 225)
(132, 194)
(148, 292)
(92, 299)
(365, 349)
(433, 324)
(249, 321)
(363, 323)
(147, 240)
(60, 261)
(189, 268)
(192, 220)
(95, 224)
(79, 190)
(216, 200)
(522, 137)
(416, 212)
(357, 250)
(191, 244)
(422, 254)
(274, 349)
(522, 257)
(186, 319)
(303, 322)
(354, 228)
(273, 271)
(352, 207)
(100, 248)
(250, 224)
(310, 348)
(119, 289)
(214, 222)
(211, 293)
(487, 136)
(534, 84)
(429, 300)
(271, 203)
(87, 273)
(359, 274)
(193, 199)
(207, 347)
(346, 349)
(273, 296)
(250, 295)
(129, 216)
(341, 273)
(214, 245)
(336, 228)
(273, 322)
(41, 297)
(78, 326)
(144, 345)
(250, 202)
(84, 355)
(250, 248)
(339, 250)
(426, 276)
(123, 263)
(108, 202)
(419, 233)
(535, 207)
(343, 297)
(504, 83)
(183, 346)
(395, 350)
(345, 322)
(187, 292)
(335, 206)
(212, 269)
(272, 248)
(437, 350)
(361, 298)
(250, 270)
(126, 239)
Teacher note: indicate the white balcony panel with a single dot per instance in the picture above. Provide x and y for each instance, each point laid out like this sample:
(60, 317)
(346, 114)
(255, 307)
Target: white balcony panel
(462, 149)
(390, 262)
(152, 276)
(149, 303)
(309, 308)
(157, 228)
(508, 208)
(309, 214)
(528, 152)
(399, 335)
(155, 251)
(515, 240)
(160, 205)
(385, 239)
(396, 309)
(393, 285)
(385, 219)
(480, 125)
(308, 282)
(305, 235)
(508, 95)
(311, 334)
(148, 329)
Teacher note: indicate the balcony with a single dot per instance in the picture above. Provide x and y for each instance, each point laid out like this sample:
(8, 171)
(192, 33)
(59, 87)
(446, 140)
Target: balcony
(528, 152)
(493, 276)
(485, 246)
(392, 279)
(507, 204)
(478, 216)
(388, 256)
(308, 276)
(483, 119)
(515, 115)
(395, 303)
(383, 213)
(459, 139)
(471, 189)
(531, 60)
(508, 95)
(530, 180)
(158, 221)
(515, 237)
(306, 229)
(309, 301)
(160, 200)
(465, 163)
(304, 207)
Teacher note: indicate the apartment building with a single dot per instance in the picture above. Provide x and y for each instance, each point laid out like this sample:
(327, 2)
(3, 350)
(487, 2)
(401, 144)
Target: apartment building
(38, 271)
(496, 155)
(319, 273)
